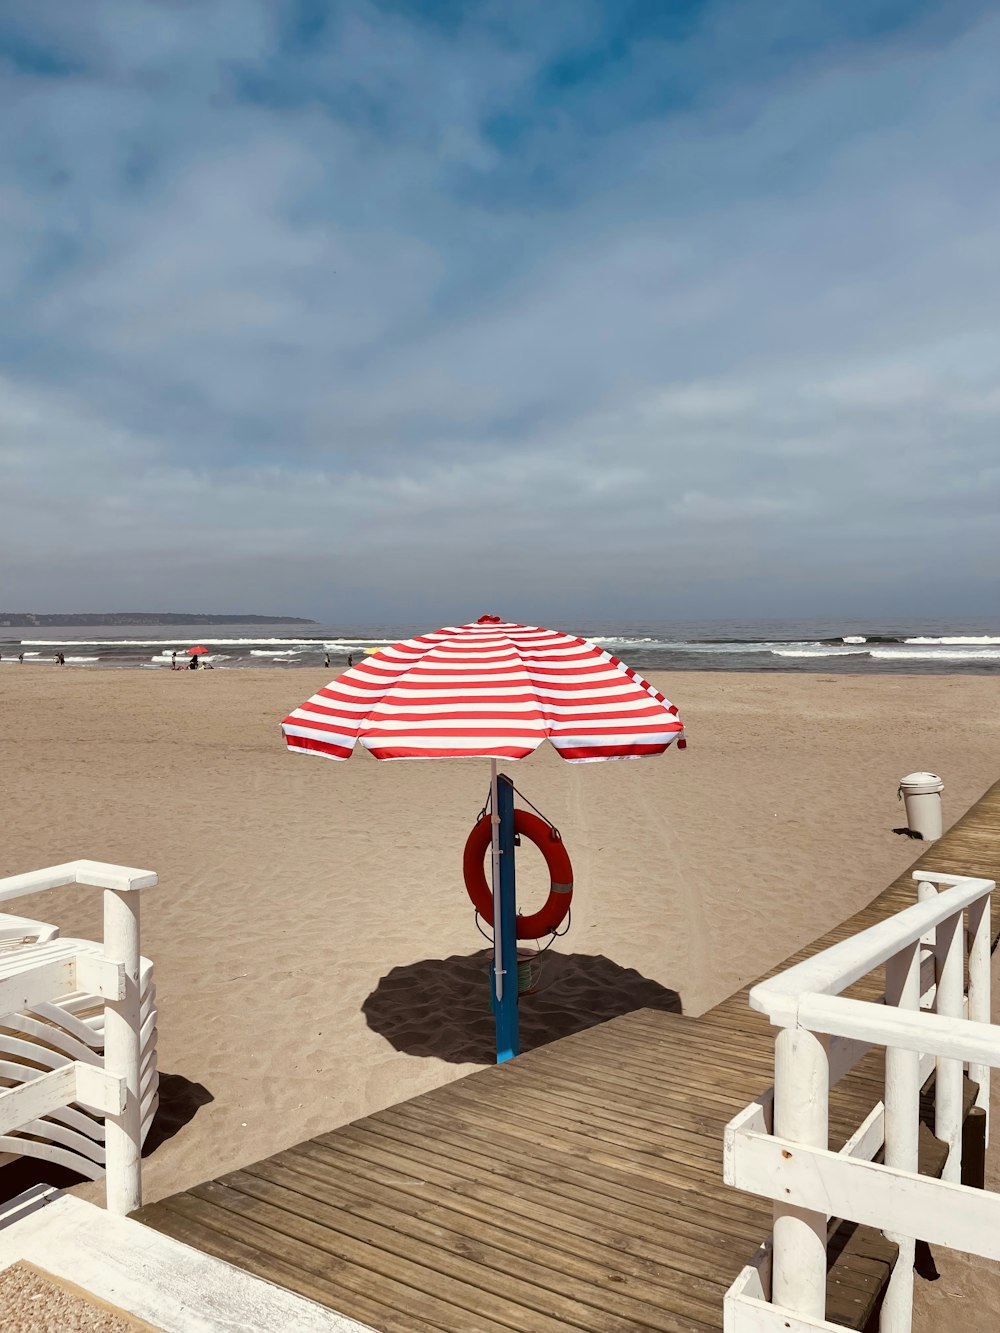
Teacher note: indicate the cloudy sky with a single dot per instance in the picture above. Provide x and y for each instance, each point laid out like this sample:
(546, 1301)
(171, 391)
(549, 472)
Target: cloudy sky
(400, 309)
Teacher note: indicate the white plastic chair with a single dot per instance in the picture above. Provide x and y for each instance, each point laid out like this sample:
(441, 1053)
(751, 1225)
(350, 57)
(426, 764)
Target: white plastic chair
(68, 1028)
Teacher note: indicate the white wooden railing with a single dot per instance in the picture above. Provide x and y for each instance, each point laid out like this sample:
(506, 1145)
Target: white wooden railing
(114, 975)
(777, 1146)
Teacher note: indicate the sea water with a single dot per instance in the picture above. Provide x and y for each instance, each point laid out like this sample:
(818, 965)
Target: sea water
(916, 646)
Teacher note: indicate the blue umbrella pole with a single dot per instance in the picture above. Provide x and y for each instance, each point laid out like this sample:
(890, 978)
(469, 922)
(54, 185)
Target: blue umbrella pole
(505, 923)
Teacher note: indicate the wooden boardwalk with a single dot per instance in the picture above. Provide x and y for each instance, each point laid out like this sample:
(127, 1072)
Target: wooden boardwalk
(576, 1188)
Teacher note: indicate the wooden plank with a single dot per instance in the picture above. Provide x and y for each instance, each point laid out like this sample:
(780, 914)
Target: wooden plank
(580, 1108)
(649, 1046)
(900, 1203)
(593, 1124)
(515, 1138)
(671, 1088)
(651, 1209)
(861, 1262)
(654, 1237)
(47, 972)
(538, 1218)
(20, 1105)
(563, 1287)
(262, 1263)
(669, 1083)
(710, 1051)
(615, 1181)
(718, 1105)
(395, 1306)
(448, 1277)
(565, 1077)
(607, 1098)
(655, 1206)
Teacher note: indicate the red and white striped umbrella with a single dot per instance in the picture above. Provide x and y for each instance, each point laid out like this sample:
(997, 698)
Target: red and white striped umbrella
(487, 690)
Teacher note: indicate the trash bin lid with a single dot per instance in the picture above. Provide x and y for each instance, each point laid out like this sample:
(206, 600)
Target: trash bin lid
(921, 783)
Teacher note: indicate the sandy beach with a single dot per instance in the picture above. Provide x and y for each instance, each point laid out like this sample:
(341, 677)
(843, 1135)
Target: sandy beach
(316, 954)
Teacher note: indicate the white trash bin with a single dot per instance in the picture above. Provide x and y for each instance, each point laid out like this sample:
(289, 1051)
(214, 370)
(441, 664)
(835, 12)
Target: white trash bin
(922, 794)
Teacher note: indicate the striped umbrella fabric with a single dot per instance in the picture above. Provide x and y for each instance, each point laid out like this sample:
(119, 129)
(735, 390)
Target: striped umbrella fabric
(487, 690)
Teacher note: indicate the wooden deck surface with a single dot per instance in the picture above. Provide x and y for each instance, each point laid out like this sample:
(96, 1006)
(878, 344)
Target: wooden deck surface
(578, 1187)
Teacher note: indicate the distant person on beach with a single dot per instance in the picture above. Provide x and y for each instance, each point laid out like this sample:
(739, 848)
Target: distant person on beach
(326, 660)
(20, 658)
(173, 660)
(193, 664)
(60, 659)
(350, 660)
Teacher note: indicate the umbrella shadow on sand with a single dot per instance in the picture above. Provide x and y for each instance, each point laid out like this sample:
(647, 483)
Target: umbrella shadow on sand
(441, 1007)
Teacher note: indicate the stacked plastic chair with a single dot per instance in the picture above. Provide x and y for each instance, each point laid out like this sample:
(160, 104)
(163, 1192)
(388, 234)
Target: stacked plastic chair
(59, 1032)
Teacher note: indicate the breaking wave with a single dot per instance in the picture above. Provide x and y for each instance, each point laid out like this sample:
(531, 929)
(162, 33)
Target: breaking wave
(908, 655)
(956, 640)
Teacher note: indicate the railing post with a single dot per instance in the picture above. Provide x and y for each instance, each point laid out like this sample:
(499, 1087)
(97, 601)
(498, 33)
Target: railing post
(902, 1123)
(801, 1114)
(979, 992)
(121, 1052)
(925, 892)
(948, 1079)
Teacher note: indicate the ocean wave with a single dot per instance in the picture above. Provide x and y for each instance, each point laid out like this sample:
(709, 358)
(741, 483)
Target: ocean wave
(175, 642)
(611, 638)
(854, 638)
(819, 652)
(160, 643)
(908, 655)
(777, 648)
(280, 652)
(737, 647)
(353, 645)
(956, 640)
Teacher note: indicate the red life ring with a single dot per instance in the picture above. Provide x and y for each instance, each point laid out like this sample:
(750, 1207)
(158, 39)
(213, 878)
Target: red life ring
(551, 846)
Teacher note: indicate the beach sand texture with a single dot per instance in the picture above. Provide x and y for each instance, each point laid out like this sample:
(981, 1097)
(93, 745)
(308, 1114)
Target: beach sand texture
(315, 952)
(34, 1302)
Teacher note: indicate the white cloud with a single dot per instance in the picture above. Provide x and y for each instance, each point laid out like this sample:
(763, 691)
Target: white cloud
(731, 508)
(345, 316)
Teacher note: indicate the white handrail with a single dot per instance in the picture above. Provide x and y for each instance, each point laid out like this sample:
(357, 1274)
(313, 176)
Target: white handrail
(98, 874)
(823, 1034)
(909, 1030)
(843, 964)
(939, 877)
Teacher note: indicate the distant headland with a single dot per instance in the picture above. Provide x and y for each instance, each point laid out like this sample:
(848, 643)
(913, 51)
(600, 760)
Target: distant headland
(26, 619)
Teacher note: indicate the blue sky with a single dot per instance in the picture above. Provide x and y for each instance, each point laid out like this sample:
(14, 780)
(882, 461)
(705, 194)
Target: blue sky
(397, 310)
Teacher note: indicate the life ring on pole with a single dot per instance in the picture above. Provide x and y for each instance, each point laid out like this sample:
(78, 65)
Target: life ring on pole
(556, 907)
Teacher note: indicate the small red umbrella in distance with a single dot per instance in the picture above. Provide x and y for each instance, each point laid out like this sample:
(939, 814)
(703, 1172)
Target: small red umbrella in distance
(196, 652)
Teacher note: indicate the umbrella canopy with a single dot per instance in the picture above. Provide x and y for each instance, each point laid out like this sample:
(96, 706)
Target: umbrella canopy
(490, 690)
(196, 652)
